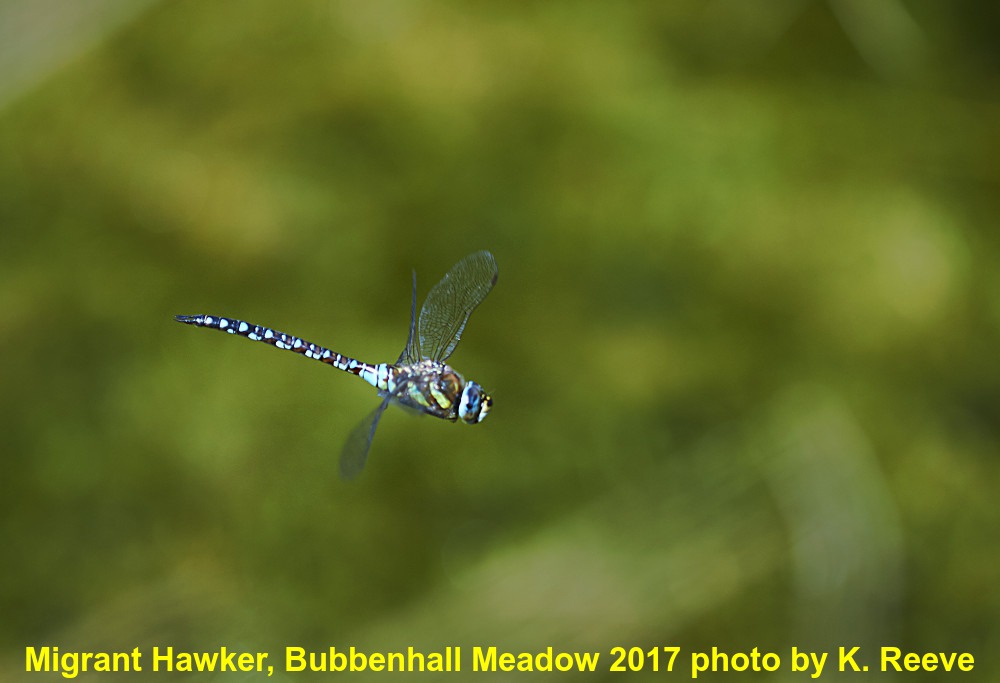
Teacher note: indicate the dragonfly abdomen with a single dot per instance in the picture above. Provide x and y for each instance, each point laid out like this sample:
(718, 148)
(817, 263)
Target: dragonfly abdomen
(381, 376)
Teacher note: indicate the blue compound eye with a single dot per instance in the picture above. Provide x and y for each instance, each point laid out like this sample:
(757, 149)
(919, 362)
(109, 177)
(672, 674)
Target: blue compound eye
(475, 404)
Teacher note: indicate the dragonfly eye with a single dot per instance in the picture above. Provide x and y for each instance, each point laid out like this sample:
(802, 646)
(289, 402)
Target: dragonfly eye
(475, 404)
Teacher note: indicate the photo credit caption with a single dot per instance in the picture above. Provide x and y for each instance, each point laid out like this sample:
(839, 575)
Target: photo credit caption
(461, 659)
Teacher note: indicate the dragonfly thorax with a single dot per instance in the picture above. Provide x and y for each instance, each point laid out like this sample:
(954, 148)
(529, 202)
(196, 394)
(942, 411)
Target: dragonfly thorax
(435, 388)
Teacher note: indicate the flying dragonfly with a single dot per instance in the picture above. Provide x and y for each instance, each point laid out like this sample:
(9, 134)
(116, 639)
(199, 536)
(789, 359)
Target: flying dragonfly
(420, 379)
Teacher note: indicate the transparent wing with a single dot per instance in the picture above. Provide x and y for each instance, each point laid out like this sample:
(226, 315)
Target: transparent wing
(451, 302)
(355, 453)
(411, 354)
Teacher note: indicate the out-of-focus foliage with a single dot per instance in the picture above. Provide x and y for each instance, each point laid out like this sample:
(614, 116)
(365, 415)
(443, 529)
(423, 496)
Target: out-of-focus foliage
(743, 348)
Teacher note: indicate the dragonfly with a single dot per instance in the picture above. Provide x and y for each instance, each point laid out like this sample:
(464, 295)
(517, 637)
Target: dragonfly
(420, 380)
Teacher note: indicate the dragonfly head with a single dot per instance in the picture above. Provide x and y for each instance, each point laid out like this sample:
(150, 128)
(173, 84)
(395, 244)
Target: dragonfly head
(475, 404)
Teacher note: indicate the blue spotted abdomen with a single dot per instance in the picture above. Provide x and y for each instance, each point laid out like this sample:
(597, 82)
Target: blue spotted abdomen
(380, 376)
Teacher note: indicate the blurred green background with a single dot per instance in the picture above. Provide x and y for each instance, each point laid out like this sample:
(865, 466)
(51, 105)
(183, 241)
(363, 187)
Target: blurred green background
(743, 347)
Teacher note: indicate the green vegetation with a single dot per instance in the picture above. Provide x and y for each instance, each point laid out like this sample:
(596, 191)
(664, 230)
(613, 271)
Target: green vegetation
(743, 347)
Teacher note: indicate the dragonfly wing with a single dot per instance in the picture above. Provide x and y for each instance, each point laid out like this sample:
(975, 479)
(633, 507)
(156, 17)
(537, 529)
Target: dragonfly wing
(355, 453)
(451, 302)
(411, 353)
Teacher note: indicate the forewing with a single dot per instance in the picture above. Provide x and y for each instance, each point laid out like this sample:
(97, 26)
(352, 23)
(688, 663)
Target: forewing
(355, 453)
(451, 302)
